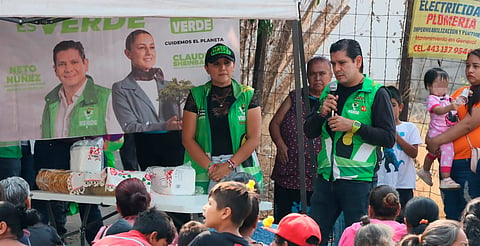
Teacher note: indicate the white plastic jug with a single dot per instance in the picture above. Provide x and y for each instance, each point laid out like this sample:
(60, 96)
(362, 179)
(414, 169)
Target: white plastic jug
(173, 180)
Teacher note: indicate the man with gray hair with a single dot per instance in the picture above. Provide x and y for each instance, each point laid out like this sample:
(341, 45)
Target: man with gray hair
(17, 191)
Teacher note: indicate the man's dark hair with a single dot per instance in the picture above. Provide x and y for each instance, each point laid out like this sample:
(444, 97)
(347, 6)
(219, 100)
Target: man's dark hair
(66, 45)
(153, 220)
(189, 231)
(252, 218)
(394, 94)
(234, 195)
(132, 36)
(352, 47)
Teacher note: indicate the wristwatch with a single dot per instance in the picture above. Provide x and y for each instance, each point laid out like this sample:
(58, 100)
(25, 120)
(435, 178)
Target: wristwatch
(356, 126)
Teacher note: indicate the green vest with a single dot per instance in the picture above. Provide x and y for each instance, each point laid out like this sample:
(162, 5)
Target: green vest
(88, 115)
(353, 159)
(10, 149)
(237, 119)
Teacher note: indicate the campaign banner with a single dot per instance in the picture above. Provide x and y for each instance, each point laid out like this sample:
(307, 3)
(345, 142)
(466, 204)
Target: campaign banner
(41, 93)
(444, 29)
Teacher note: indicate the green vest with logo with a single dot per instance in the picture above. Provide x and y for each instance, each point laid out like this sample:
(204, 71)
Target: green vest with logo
(237, 119)
(88, 115)
(347, 156)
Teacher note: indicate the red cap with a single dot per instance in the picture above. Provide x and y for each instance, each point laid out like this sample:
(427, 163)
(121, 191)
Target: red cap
(297, 228)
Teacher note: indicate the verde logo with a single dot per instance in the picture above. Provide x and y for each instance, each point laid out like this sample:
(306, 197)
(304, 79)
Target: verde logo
(85, 25)
(190, 25)
(221, 49)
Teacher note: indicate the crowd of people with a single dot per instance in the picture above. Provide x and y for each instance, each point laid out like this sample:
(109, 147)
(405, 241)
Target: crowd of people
(231, 215)
(359, 160)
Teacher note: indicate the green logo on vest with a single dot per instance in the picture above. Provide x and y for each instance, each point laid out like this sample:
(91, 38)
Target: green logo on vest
(88, 118)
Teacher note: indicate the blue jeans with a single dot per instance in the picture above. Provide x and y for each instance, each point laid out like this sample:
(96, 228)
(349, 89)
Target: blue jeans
(338, 229)
(9, 167)
(454, 201)
(329, 199)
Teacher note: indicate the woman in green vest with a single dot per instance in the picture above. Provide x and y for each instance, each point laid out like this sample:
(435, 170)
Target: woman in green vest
(221, 123)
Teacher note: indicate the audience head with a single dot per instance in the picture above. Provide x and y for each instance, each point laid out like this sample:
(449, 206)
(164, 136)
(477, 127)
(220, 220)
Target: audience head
(250, 222)
(132, 197)
(438, 233)
(471, 221)
(11, 226)
(296, 229)
(384, 203)
(157, 227)
(228, 200)
(189, 231)
(242, 177)
(419, 213)
(15, 190)
(374, 235)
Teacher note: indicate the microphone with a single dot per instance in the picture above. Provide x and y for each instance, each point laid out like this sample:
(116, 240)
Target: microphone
(333, 90)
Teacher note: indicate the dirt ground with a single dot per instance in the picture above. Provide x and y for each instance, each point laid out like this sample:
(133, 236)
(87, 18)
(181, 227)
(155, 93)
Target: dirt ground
(74, 222)
(423, 189)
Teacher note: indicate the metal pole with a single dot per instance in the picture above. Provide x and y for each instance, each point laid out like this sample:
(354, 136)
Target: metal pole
(406, 64)
(297, 63)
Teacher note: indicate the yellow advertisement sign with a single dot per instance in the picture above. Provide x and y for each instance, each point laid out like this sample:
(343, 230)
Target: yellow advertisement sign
(444, 29)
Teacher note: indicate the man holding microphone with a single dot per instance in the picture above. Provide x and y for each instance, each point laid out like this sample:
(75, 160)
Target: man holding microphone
(354, 123)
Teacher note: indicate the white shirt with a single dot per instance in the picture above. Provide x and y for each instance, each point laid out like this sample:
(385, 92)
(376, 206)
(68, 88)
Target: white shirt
(150, 88)
(405, 176)
(62, 122)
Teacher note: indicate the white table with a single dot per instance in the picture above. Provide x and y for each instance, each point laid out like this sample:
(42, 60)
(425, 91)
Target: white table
(49, 196)
(179, 204)
(167, 203)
